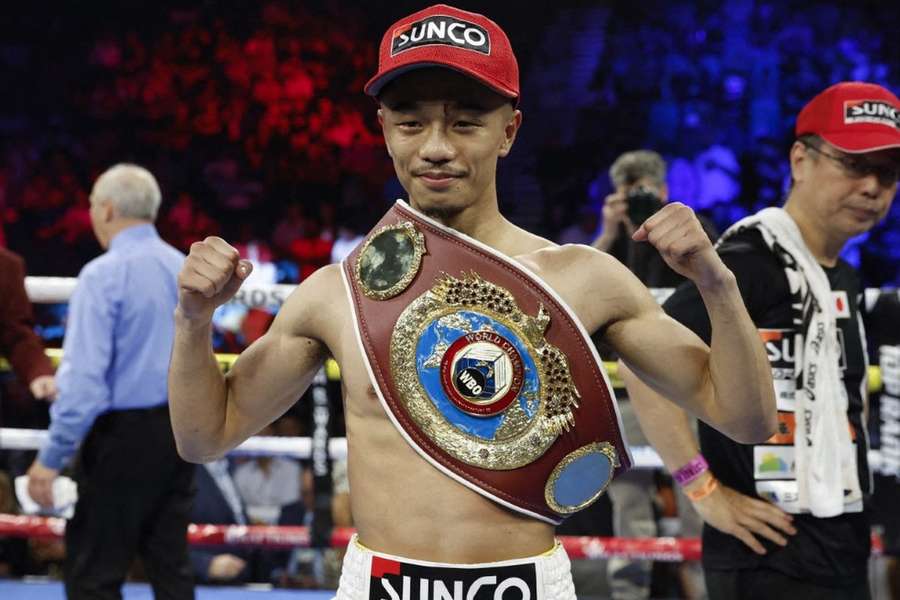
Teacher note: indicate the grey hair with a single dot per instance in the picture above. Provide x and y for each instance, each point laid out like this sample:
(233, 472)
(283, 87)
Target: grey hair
(633, 166)
(131, 189)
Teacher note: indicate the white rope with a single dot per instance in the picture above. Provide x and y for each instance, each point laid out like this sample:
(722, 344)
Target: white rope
(294, 447)
(49, 290)
(645, 457)
(53, 290)
(59, 289)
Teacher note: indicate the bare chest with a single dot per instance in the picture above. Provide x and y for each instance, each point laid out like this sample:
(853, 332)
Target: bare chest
(360, 397)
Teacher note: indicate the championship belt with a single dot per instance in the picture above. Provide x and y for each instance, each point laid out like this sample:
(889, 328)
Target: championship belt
(483, 368)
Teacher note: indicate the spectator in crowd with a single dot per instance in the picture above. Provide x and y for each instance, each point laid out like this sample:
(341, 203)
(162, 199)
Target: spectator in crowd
(347, 238)
(313, 250)
(134, 490)
(253, 246)
(639, 181)
(269, 484)
(18, 341)
(13, 551)
(289, 227)
(275, 491)
(218, 503)
(186, 223)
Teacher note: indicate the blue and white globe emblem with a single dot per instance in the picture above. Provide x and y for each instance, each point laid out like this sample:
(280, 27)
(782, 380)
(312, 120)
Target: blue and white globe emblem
(479, 374)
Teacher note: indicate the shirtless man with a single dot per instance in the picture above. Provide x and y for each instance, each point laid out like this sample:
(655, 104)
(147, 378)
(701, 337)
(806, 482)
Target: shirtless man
(445, 127)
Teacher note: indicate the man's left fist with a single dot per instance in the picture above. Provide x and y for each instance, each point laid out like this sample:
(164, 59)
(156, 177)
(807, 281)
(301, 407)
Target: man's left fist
(677, 234)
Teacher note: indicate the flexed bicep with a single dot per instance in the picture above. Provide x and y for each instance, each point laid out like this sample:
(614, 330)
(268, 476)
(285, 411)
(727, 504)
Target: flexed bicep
(272, 374)
(666, 356)
(212, 413)
(266, 380)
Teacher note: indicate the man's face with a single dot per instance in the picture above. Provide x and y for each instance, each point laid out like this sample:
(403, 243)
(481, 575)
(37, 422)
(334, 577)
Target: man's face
(445, 132)
(850, 193)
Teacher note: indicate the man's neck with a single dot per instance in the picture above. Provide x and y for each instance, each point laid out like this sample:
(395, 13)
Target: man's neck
(120, 225)
(826, 248)
(482, 222)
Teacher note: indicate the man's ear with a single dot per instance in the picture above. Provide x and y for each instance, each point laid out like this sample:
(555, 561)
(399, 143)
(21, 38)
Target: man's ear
(107, 212)
(510, 131)
(799, 156)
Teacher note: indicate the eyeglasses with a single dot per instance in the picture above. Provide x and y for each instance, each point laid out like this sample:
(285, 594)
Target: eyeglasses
(858, 167)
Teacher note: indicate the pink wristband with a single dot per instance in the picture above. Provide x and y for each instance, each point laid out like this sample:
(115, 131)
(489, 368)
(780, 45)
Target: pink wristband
(691, 471)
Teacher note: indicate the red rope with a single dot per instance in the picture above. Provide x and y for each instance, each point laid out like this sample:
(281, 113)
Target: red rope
(280, 537)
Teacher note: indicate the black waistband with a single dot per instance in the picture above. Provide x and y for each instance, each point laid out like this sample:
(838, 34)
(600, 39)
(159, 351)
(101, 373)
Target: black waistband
(137, 413)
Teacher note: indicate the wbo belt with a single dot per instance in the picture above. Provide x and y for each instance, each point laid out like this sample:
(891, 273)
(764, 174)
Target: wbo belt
(483, 368)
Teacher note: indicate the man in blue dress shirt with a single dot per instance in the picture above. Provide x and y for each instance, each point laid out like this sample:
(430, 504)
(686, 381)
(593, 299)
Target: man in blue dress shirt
(134, 491)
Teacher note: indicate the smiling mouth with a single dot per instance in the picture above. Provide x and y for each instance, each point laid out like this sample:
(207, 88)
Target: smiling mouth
(437, 181)
(438, 175)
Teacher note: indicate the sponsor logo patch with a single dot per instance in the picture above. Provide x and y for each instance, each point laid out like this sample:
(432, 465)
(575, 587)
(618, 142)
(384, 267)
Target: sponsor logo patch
(871, 111)
(841, 304)
(787, 425)
(773, 462)
(395, 580)
(442, 30)
(781, 345)
(842, 349)
(783, 494)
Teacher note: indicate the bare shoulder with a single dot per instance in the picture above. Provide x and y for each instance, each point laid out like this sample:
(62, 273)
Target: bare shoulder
(312, 304)
(594, 270)
(598, 287)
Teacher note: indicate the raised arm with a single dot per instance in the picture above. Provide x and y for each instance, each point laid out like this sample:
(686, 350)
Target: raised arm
(727, 384)
(213, 413)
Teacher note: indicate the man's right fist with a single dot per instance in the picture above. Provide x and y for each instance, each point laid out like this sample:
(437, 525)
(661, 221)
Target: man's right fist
(212, 274)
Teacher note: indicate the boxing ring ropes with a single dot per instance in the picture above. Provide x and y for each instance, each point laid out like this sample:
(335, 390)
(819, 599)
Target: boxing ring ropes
(59, 289)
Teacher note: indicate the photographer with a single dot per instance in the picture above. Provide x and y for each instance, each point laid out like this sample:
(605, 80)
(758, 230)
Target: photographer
(639, 179)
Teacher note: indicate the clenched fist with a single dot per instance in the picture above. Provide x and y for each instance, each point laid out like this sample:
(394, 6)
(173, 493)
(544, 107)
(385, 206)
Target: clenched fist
(212, 274)
(225, 567)
(677, 234)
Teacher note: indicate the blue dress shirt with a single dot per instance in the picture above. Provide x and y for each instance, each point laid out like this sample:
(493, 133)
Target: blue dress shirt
(118, 338)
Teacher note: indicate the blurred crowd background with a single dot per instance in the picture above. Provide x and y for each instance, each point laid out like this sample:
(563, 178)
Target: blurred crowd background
(252, 117)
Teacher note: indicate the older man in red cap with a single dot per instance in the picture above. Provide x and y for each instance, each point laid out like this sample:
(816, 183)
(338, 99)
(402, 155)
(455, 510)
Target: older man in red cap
(786, 518)
(478, 414)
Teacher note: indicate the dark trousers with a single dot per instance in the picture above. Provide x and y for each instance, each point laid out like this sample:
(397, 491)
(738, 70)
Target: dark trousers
(752, 584)
(134, 499)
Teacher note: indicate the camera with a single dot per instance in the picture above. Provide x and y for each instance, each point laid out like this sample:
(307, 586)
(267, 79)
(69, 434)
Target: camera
(642, 204)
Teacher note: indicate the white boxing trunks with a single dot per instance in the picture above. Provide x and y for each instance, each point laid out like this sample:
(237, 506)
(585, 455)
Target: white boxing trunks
(368, 575)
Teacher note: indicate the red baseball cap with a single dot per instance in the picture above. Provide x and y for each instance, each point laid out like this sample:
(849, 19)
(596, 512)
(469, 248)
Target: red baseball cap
(853, 116)
(444, 36)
